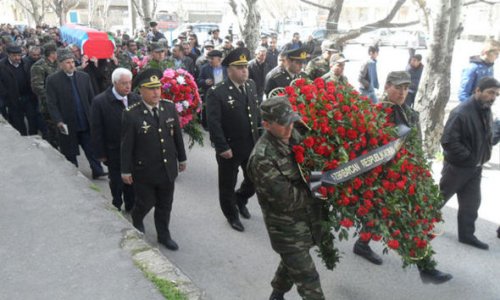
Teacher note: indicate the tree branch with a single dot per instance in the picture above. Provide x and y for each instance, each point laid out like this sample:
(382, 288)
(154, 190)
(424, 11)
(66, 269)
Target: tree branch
(481, 1)
(24, 7)
(315, 4)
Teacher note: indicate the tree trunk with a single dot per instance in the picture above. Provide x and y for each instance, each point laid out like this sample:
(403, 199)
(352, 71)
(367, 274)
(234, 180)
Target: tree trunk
(434, 91)
(332, 21)
(248, 21)
(146, 12)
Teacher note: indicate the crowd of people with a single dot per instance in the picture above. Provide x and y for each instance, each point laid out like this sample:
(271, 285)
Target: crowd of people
(112, 109)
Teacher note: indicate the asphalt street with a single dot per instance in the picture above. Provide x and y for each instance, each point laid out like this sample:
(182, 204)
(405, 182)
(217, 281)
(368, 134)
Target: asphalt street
(231, 265)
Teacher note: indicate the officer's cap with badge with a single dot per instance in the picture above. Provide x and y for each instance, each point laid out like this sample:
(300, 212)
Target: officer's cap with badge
(237, 57)
(149, 78)
(398, 78)
(279, 110)
(299, 54)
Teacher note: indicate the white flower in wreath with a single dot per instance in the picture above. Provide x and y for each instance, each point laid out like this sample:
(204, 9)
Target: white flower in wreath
(185, 104)
(181, 80)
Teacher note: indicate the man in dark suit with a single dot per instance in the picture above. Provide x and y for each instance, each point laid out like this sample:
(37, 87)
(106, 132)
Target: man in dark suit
(233, 119)
(69, 94)
(105, 125)
(210, 75)
(257, 71)
(152, 153)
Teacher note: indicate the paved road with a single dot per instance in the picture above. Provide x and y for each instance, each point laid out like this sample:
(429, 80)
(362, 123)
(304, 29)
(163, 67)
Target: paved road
(230, 265)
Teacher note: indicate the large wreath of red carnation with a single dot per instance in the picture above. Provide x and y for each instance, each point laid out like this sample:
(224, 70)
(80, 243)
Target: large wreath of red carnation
(396, 203)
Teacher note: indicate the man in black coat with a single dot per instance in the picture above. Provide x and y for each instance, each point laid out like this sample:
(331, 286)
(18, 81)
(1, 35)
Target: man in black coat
(152, 153)
(15, 91)
(257, 71)
(105, 124)
(69, 94)
(233, 120)
(467, 143)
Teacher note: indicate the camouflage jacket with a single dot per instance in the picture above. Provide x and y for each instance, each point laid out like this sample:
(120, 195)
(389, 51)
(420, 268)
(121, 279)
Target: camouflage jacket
(338, 80)
(39, 73)
(317, 67)
(162, 66)
(124, 61)
(290, 212)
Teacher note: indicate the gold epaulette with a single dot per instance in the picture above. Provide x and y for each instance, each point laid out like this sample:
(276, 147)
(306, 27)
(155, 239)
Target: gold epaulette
(133, 105)
(167, 100)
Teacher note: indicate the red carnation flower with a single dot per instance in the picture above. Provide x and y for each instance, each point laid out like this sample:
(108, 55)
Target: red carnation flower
(347, 223)
(393, 244)
(365, 236)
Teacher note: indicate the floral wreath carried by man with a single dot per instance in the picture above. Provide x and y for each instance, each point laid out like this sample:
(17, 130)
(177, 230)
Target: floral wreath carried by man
(373, 176)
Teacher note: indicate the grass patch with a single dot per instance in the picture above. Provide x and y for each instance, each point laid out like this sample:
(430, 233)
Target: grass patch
(94, 187)
(166, 288)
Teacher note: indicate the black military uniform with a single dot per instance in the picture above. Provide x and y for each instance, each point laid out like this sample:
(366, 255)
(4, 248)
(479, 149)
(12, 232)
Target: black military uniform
(151, 148)
(284, 77)
(233, 119)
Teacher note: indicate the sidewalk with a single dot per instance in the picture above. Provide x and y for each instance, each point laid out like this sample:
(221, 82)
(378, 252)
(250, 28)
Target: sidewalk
(60, 240)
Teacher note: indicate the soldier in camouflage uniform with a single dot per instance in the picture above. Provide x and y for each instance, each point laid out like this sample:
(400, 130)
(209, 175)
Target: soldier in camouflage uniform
(291, 213)
(157, 58)
(39, 73)
(320, 65)
(336, 73)
(294, 60)
(395, 92)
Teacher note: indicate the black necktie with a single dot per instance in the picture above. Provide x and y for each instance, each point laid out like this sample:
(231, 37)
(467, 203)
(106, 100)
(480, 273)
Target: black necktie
(155, 114)
(242, 90)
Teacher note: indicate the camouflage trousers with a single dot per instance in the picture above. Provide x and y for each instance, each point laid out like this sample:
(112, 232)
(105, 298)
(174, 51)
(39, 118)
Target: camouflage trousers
(51, 135)
(298, 268)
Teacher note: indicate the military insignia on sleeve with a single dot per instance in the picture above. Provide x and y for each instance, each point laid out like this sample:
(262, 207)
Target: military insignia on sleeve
(145, 126)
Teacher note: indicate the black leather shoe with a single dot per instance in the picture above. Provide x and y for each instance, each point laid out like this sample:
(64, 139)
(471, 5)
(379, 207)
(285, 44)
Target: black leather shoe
(244, 212)
(139, 226)
(236, 225)
(97, 175)
(434, 276)
(169, 244)
(365, 251)
(275, 295)
(475, 243)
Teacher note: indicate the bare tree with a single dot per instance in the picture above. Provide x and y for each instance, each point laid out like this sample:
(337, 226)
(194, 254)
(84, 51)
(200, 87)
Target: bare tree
(335, 9)
(144, 10)
(36, 9)
(248, 21)
(62, 7)
(434, 90)
(99, 13)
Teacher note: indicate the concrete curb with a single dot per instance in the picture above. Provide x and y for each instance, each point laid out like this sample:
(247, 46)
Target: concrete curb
(155, 262)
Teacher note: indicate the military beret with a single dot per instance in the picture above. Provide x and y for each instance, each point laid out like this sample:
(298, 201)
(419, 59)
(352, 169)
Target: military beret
(398, 77)
(237, 57)
(149, 78)
(278, 109)
(64, 54)
(14, 49)
(296, 54)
